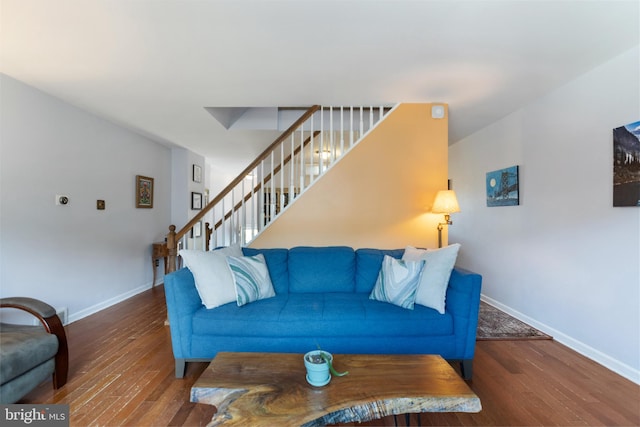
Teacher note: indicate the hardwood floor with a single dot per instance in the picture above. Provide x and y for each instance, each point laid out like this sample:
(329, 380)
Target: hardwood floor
(121, 373)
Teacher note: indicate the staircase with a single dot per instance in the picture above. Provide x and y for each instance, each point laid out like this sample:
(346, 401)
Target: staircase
(276, 178)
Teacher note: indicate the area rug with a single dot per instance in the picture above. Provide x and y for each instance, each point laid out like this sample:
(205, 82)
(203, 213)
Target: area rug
(494, 324)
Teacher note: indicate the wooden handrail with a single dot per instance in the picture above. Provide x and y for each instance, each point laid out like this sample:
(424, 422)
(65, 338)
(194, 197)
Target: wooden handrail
(173, 237)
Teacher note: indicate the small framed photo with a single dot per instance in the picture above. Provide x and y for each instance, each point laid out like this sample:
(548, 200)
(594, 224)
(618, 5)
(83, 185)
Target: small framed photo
(144, 192)
(196, 231)
(196, 201)
(197, 173)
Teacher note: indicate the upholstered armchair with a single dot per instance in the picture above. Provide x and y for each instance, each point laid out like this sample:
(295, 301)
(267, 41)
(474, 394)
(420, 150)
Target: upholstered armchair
(29, 354)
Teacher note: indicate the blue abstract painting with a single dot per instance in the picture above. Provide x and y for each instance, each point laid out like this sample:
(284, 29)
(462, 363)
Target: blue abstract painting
(502, 187)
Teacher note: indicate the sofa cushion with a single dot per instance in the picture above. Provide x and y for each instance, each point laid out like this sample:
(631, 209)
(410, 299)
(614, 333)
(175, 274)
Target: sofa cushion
(397, 282)
(277, 260)
(368, 263)
(322, 269)
(22, 348)
(251, 278)
(212, 275)
(320, 315)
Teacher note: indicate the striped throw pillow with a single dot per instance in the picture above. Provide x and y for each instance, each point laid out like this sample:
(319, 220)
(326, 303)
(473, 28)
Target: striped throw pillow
(251, 277)
(397, 282)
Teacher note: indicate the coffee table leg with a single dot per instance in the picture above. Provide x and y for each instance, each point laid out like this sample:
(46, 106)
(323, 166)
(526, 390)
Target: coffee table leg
(407, 419)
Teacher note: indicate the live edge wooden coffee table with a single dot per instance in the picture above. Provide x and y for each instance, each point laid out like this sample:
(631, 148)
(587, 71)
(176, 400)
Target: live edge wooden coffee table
(269, 389)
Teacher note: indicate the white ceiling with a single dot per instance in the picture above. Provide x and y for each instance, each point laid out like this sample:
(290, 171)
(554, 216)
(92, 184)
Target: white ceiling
(153, 66)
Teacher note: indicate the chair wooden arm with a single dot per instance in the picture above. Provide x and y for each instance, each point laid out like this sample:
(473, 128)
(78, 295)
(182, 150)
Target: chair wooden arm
(51, 322)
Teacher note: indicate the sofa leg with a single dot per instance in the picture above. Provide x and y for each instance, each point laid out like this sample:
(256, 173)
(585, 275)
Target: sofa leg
(180, 368)
(466, 367)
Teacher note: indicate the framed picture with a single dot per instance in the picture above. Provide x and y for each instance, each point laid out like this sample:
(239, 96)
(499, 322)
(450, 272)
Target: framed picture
(626, 165)
(503, 187)
(196, 201)
(144, 192)
(196, 231)
(197, 173)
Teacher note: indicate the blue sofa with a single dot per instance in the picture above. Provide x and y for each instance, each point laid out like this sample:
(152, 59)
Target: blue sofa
(322, 299)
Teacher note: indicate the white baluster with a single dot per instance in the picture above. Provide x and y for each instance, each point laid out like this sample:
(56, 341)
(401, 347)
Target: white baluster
(272, 198)
(261, 199)
(243, 215)
(321, 144)
(331, 138)
(302, 171)
(232, 223)
(281, 176)
(223, 224)
(254, 214)
(351, 127)
(312, 149)
(292, 163)
(370, 118)
(203, 235)
(341, 130)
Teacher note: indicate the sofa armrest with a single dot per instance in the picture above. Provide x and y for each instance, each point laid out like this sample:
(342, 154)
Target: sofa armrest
(463, 303)
(182, 301)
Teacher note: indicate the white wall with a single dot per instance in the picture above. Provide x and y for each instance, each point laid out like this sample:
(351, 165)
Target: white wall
(74, 256)
(565, 259)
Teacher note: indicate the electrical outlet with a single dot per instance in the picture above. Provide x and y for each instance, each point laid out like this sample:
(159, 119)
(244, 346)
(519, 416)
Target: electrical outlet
(62, 200)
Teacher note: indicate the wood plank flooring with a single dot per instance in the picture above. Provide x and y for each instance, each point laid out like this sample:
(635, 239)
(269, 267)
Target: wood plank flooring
(121, 373)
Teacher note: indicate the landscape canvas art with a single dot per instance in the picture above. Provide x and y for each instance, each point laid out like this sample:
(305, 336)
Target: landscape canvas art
(502, 187)
(626, 165)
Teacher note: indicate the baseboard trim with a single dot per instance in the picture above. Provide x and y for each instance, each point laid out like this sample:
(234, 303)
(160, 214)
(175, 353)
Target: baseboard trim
(596, 355)
(108, 303)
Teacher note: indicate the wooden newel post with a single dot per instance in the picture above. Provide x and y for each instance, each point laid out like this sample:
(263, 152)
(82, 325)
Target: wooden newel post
(172, 248)
(207, 232)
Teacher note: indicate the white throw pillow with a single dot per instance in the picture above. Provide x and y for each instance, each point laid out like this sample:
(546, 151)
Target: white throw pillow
(212, 274)
(251, 277)
(439, 263)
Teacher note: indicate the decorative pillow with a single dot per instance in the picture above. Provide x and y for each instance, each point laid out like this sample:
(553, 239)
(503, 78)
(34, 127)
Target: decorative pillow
(432, 290)
(397, 282)
(211, 274)
(251, 277)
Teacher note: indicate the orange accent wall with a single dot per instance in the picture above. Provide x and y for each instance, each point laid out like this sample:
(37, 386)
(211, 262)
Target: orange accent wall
(379, 194)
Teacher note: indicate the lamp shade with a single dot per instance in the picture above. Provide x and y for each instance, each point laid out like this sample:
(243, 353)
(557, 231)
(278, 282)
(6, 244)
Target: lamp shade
(445, 202)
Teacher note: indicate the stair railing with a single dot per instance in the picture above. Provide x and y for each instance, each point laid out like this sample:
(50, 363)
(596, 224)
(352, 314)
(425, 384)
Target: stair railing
(279, 175)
